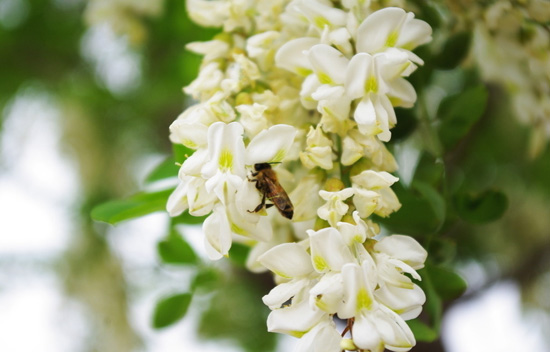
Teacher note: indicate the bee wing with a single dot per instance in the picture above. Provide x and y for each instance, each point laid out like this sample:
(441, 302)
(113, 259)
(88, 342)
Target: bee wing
(279, 197)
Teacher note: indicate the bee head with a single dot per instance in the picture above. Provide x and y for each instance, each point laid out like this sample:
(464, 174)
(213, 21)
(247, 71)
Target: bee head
(262, 166)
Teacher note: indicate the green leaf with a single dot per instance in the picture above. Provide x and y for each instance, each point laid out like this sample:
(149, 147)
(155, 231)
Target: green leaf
(429, 170)
(421, 331)
(436, 201)
(447, 283)
(181, 153)
(442, 250)
(239, 253)
(433, 306)
(481, 208)
(419, 215)
(206, 280)
(458, 113)
(164, 170)
(138, 205)
(171, 309)
(175, 250)
(236, 312)
(454, 51)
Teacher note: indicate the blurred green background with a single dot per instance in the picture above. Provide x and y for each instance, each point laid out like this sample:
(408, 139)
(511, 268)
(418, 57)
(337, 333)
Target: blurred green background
(87, 92)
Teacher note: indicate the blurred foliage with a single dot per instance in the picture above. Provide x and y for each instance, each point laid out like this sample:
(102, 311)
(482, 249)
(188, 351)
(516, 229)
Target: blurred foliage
(474, 196)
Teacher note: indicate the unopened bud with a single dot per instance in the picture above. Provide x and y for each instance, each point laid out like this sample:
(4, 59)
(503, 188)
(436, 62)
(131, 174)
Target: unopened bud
(243, 98)
(334, 185)
(347, 345)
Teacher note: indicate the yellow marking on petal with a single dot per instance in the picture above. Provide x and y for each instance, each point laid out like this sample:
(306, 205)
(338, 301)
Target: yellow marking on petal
(364, 300)
(278, 273)
(281, 153)
(297, 334)
(357, 238)
(392, 39)
(236, 229)
(320, 303)
(226, 160)
(371, 85)
(407, 285)
(319, 263)
(395, 101)
(302, 71)
(189, 144)
(321, 22)
(324, 78)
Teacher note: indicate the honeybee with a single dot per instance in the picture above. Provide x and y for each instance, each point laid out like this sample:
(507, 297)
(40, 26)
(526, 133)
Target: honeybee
(271, 189)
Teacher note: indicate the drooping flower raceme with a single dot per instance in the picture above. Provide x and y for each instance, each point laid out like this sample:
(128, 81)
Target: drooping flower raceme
(290, 98)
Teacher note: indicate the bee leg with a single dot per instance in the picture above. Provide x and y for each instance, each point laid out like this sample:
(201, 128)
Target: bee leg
(269, 205)
(260, 206)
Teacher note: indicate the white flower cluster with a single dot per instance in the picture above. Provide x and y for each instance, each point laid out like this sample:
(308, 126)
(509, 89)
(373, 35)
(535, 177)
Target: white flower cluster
(298, 97)
(125, 17)
(512, 47)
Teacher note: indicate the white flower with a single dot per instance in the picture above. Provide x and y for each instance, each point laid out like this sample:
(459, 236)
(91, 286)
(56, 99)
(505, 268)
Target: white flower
(357, 145)
(208, 13)
(328, 250)
(305, 198)
(291, 55)
(375, 79)
(334, 208)
(217, 233)
(373, 193)
(375, 326)
(318, 150)
(207, 83)
(261, 48)
(212, 49)
(252, 118)
(358, 233)
(323, 337)
(392, 27)
(291, 312)
(225, 169)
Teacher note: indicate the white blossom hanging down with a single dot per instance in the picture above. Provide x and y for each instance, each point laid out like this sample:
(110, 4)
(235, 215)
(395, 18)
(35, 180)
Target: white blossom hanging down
(295, 100)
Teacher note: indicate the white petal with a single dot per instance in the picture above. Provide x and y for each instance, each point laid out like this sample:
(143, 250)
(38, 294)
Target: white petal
(414, 33)
(208, 13)
(365, 201)
(191, 135)
(365, 116)
(296, 319)
(291, 55)
(281, 293)
(328, 63)
(177, 201)
(328, 250)
(402, 93)
(403, 301)
(287, 260)
(193, 164)
(404, 248)
(373, 180)
(328, 293)
(271, 145)
(395, 333)
(201, 202)
(225, 149)
(378, 27)
(217, 234)
(358, 73)
(322, 338)
(365, 334)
